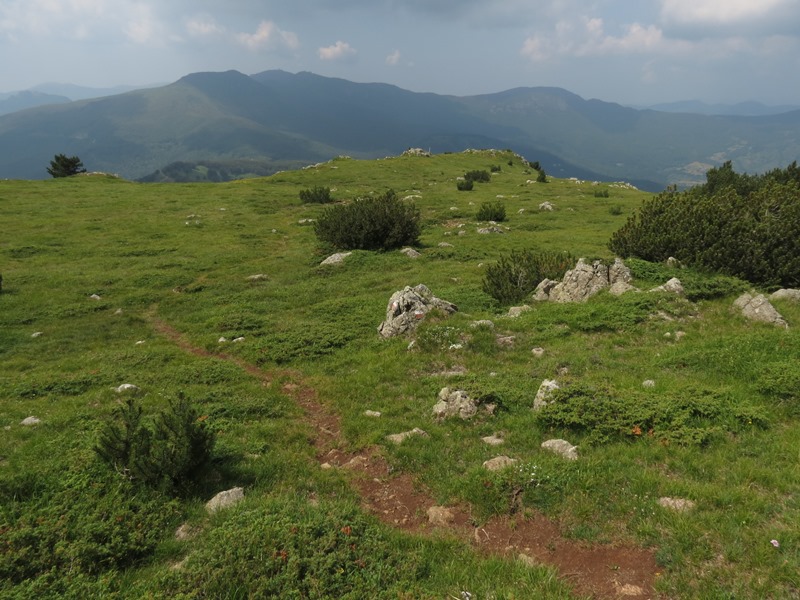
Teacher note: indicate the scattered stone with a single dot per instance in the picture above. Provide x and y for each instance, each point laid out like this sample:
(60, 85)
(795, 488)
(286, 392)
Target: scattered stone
(544, 393)
(488, 230)
(563, 370)
(222, 340)
(30, 421)
(505, 341)
(185, 532)
(416, 152)
(36, 334)
(516, 311)
(786, 294)
(673, 286)
(445, 245)
(118, 311)
(127, 388)
(140, 342)
(493, 440)
(679, 335)
(225, 499)
(482, 323)
(336, 259)
(538, 352)
(306, 221)
(562, 448)
(546, 206)
(408, 307)
(372, 413)
(94, 297)
(498, 463)
(584, 281)
(455, 403)
(326, 466)
(621, 287)
(238, 340)
(758, 308)
(399, 438)
(673, 262)
(257, 277)
(648, 383)
(357, 463)
(410, 253)
(440, 516)
(676, 504)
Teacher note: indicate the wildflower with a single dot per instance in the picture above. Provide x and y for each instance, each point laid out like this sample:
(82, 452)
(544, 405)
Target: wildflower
(775, 543)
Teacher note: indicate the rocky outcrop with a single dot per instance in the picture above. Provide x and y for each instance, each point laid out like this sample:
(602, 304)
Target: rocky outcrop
(457, 403)
(225, 499)
(544, 393)
(408, 307)
(786, 294)
(673, 286)
(584, 281)
(759, 308)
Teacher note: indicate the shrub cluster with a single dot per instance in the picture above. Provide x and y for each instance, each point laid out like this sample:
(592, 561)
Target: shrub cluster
(480, 176)
(465, 185)
(316, 195)
(739, 225)
(165, 453)
(373, 223)
(517, 274)
(491, 211)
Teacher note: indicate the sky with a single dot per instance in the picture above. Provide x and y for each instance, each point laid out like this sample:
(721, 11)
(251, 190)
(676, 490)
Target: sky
(635, 52)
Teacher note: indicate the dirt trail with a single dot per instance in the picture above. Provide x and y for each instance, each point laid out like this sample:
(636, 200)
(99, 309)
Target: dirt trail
(594, 570)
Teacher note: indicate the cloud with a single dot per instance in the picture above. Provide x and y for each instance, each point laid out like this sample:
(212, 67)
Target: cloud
(203, 26)
(721, 18)
(269, 35)
(393, 59)
(338, 51)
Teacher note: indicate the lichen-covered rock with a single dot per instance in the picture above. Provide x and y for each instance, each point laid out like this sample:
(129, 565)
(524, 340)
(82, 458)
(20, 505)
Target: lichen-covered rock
(562, 448)
(544, 393)
(786, 294)
(584, 281)
(455, 403)
(225, 499)
(759, 308)
(498, 463)
(399, 438)
(336, 259)
(408, 307)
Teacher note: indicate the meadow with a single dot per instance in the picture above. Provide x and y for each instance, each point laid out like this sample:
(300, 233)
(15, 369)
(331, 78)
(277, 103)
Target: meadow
(107, 282)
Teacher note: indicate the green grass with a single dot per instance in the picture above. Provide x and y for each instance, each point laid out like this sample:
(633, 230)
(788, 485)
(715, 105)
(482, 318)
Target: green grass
(182, 254)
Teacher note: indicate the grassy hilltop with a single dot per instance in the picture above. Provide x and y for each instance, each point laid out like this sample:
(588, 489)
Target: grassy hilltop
(169, 265)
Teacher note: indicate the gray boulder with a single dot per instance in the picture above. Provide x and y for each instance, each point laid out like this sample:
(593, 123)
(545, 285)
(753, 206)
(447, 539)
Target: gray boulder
(408, 307)
(758, 308)
(544, 393)
(336, 259)
(498, 463)
(786, 294)
(562, 448)
(225, 499)
(455, 403)
(584, 281)
(673, 286)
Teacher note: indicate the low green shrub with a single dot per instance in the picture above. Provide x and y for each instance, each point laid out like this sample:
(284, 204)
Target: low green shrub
(165, 453)
(541, 177)
(601, 193)
(516, 275)
(465, 185)
(316, 195)
(496, 168)
(478, 175)
(380, 222)
(491, 211)
(697, 285)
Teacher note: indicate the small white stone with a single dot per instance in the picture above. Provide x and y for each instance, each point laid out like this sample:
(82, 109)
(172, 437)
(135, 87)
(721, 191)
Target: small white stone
(94, 297)
(225, 499)
(126, 387)
(648, 383)
(30, 421)
(36, 334)
(372, 413)
(538, 352)
(140, 342)
(238, 339)
(222, 340)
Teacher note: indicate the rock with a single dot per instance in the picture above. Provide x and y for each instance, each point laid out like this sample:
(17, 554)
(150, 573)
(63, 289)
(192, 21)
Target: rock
(440, 516)
(30, 421)
(538, 352)
(545, 391)
(372, 413)
(676, 504)
(505, 341)
(584, 281)
(95, 297)
(225, 499)
(758, 308)
(562, 448)
(36, 334)
(493, 440)
(410, 253)
(185, 532)
(257, 277)
(482, 323)
(498, 463)
(445, 245)
(222, 340)
(238, 340)
(546, 206)
(621, 287)
(488, 230)
(118, 311)
(679, 335)
(786, 294)
(399, 438)
(336, 259)
(416, 152)
(455, 403)
(648, 383)
(127, 388)
(140, 342)
(408, 307)
(516, 311)
(673, 286)
(673, 262)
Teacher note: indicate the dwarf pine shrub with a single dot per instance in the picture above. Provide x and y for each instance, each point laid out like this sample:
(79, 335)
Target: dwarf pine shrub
(748, 227)
(517, 274)
(316, 195)
(480, 176)
(164, 453)
(465, 185)
(380, 222)
(491, 211)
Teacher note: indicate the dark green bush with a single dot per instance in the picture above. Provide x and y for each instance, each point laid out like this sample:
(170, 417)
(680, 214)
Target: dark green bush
(517, 274)
(496, 168)
(479, 176)
(465, 185)
(374, 223)
(541, 177)
(746, 227)
(316, 195)
(601, 194)
(697, 285)
(166, 453)
(491, 211)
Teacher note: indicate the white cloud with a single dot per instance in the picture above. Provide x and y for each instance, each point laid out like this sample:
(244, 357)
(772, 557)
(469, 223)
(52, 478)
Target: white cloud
(269, 35)
(711, 12)
(338, 51)
(202, 26)
(393, 59)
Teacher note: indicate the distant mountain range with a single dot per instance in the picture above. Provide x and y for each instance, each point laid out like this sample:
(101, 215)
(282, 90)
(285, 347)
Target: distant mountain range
(242, 124)
(742, 109)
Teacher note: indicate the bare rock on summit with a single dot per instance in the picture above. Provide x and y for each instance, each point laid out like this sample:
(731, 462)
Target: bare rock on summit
(408, 307)
(759, 308)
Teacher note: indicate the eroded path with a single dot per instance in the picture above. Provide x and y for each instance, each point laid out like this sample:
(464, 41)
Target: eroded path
(598, 571)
